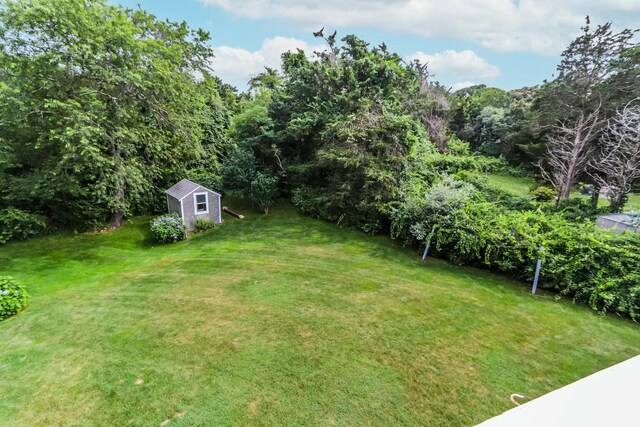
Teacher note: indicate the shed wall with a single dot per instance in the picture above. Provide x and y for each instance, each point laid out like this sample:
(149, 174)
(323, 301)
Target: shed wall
(189, 206)
(617, 226)
(173, 205)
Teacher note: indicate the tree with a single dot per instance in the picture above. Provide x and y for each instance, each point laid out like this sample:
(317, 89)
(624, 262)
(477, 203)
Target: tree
(267, 80)
(580, 98)
(238, 171)
(263, 191)
(215, 142)
(491, 119)
(242, 177)
(618, 161)
(494, 128)
(100, 107)
(342, 127)
(569, 151)
(432, 106)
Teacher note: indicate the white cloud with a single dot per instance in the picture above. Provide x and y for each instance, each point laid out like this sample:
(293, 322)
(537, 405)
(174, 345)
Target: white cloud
(461, 85)
(452, 64)
(236, 65)
(540, 26)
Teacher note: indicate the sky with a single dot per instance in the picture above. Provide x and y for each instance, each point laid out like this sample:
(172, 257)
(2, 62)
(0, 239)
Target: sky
(502, 43)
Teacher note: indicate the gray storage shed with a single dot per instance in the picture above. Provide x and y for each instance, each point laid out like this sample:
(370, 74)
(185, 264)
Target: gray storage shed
(192, 201)
(618, 222)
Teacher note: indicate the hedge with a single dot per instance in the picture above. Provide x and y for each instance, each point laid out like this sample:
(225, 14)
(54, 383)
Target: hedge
(595, 266)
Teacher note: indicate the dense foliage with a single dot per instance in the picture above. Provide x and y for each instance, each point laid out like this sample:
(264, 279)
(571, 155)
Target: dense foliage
(13, 297)
(580, 260)
(168, 228)
(360, 138)
(100, 108)
(340, 129)
(16, 224)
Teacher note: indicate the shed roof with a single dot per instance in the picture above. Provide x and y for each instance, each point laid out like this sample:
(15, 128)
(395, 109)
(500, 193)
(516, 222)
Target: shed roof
(185, 187)
(617, 217)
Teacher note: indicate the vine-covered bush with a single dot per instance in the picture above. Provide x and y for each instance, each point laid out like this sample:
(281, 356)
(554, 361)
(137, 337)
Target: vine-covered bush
(575, 209)
(16, 224)
(580, 260)
(13, 297)
(202, 224)
(168, 228)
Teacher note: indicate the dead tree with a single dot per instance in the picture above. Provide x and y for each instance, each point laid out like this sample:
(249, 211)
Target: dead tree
(617, 165)
(569, 150)
(581, 96)
(436, 107)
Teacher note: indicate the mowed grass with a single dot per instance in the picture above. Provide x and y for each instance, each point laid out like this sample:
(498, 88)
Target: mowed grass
(522, 185)
(633, 204)
(511, 184)
(279, 320)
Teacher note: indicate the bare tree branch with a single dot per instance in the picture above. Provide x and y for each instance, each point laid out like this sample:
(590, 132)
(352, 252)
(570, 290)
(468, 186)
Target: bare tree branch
(569, 150)
(617, 165)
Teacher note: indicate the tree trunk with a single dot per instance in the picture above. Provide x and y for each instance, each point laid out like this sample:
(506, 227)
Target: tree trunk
(117, 218)
(617, 201)
(565, 190)
(595, 196)
(574, 158)
(117, 215)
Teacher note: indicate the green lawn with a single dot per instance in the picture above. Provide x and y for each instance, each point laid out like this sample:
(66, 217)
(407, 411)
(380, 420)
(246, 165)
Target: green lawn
(634, 203)
(521, 186)
(511, 184)
(279, 320)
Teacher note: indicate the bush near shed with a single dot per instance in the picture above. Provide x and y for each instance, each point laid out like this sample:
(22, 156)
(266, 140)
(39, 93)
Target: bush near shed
(13, 297)
(168, 228)
(202, 224)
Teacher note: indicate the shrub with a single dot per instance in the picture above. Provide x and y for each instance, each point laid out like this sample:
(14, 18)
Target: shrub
(16, 224)
(262, 190)
(168, 228)
(458, 147)
(575, 209)
(202, 224)
(13, 297)
(590, 265)
(543, 193)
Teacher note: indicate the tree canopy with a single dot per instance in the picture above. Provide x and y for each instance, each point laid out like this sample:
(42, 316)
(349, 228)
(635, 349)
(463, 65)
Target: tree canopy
(343, 125)
(100, 107)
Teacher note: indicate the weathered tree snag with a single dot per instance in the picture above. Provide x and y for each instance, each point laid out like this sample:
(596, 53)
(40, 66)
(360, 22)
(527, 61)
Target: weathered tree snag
(617, 165)
(569, 151)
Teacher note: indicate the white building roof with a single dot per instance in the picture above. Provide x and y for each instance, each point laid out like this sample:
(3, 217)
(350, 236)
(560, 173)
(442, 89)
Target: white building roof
(607, 398)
